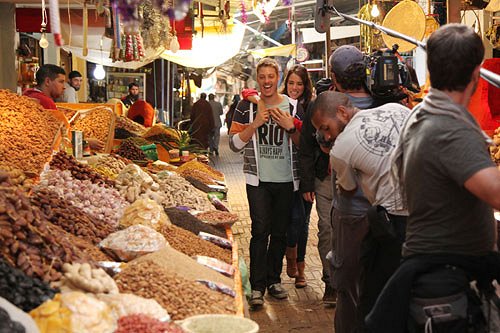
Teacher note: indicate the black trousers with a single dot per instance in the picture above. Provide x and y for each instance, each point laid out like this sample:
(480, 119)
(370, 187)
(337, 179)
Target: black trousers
(380, 257)
(270, 210)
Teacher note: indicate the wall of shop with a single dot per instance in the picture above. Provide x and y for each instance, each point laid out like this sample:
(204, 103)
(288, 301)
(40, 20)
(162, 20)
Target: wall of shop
(8, 73)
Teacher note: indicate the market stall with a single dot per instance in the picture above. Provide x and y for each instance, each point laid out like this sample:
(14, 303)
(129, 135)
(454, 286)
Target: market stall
(106, 244)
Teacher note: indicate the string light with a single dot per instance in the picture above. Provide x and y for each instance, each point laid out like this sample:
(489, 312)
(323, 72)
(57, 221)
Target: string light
(44, 43)
(375, 12)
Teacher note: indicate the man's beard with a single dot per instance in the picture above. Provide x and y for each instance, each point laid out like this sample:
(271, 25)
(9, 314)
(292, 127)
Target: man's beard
(76, 88)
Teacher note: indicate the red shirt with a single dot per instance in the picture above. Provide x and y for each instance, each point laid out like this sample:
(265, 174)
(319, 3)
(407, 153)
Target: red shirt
(45, 101)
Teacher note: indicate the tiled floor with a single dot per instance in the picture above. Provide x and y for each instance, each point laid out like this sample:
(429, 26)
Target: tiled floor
(303, 311)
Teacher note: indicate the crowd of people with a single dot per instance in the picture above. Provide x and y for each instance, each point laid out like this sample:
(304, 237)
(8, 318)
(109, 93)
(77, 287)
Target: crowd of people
(404, 197)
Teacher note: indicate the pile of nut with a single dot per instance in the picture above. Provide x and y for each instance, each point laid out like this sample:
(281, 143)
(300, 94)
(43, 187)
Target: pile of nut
(82, 277)
(28, 241)
(27, 132)
(180, 297)
(95, 123)
(192, 245)
(21, 290)
(130, 125)
(180, 192)
(99, 202)
(111, 163)
(68, 113)
(134, 183)
(200, 175)
(495, 149)
(63, 161)
(131, 151)
(218, 218)
(15, 177)
(188, 222)
(214, 174)
(72, 219)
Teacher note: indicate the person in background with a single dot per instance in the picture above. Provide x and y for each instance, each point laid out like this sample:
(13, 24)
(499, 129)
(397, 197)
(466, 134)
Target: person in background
(71, 87)
(298, 86)
(363, 141)
(133, 94)
(202, 122)
(267, 138)
(450, 182)
(50, 85)
(215, 136)
(315, 184)
(230, 112)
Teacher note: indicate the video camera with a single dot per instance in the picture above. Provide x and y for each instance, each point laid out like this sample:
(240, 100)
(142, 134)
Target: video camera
(387, 76)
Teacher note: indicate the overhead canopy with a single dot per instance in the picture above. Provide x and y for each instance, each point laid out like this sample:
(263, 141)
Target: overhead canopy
(213, 49)
(73, 37)
(310, 35)
(278, 51)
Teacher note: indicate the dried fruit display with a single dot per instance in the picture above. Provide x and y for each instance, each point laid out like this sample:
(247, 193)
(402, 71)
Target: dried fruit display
(215, 174)
(97, 123)
(15, 177)
(27, 132)
(130, 125)
(63, 161)
(495, 150)
(192, 245)
(21, 290)
(141, 323)
(70, 218)
(218, 218)
(180, 297)
(199, 175)
(99, 202)
(187, 221)
(29, 242)
(131, 151)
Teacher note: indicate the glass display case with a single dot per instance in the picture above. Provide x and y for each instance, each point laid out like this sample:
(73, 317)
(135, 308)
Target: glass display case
(117, 84)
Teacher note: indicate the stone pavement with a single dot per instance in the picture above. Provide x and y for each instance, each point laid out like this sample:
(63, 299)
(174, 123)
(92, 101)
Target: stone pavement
(303, 311)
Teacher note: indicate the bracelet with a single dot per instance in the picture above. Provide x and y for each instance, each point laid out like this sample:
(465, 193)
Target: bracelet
(291, 130)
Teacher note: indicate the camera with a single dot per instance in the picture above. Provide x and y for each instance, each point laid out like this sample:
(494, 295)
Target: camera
(387, 76)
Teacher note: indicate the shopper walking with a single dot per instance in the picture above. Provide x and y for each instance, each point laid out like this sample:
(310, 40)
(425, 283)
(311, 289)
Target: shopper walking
(297, 85)
(215, 135)
(270, 166)
(230, 112)
(449, 180)
(202, 121)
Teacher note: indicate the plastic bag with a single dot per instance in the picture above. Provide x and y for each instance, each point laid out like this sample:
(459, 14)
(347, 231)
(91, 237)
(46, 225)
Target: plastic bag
(146, 212)
(216, 265)
(133, 242)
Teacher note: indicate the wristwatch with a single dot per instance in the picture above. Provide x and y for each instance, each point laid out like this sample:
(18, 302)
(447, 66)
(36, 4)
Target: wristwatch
(291, 130)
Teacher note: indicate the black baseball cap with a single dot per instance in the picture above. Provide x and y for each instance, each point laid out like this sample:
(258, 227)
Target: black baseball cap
(344, 57)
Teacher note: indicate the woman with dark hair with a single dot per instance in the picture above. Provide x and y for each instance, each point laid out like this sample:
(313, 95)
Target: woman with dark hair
(297, 85)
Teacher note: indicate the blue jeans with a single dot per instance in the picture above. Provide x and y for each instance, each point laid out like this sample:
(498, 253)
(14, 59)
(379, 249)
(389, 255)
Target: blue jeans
(298, 229)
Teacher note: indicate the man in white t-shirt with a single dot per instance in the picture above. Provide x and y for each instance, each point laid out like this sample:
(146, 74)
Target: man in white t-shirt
(361, 154)
(72, 86)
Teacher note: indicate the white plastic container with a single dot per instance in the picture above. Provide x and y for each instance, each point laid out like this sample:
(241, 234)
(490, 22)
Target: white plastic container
(218, 323)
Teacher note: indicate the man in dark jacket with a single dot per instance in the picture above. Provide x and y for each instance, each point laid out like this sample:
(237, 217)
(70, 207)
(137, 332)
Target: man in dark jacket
(202, 121)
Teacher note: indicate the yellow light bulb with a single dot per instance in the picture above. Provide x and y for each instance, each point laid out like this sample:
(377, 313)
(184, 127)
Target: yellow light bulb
(44, 43)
